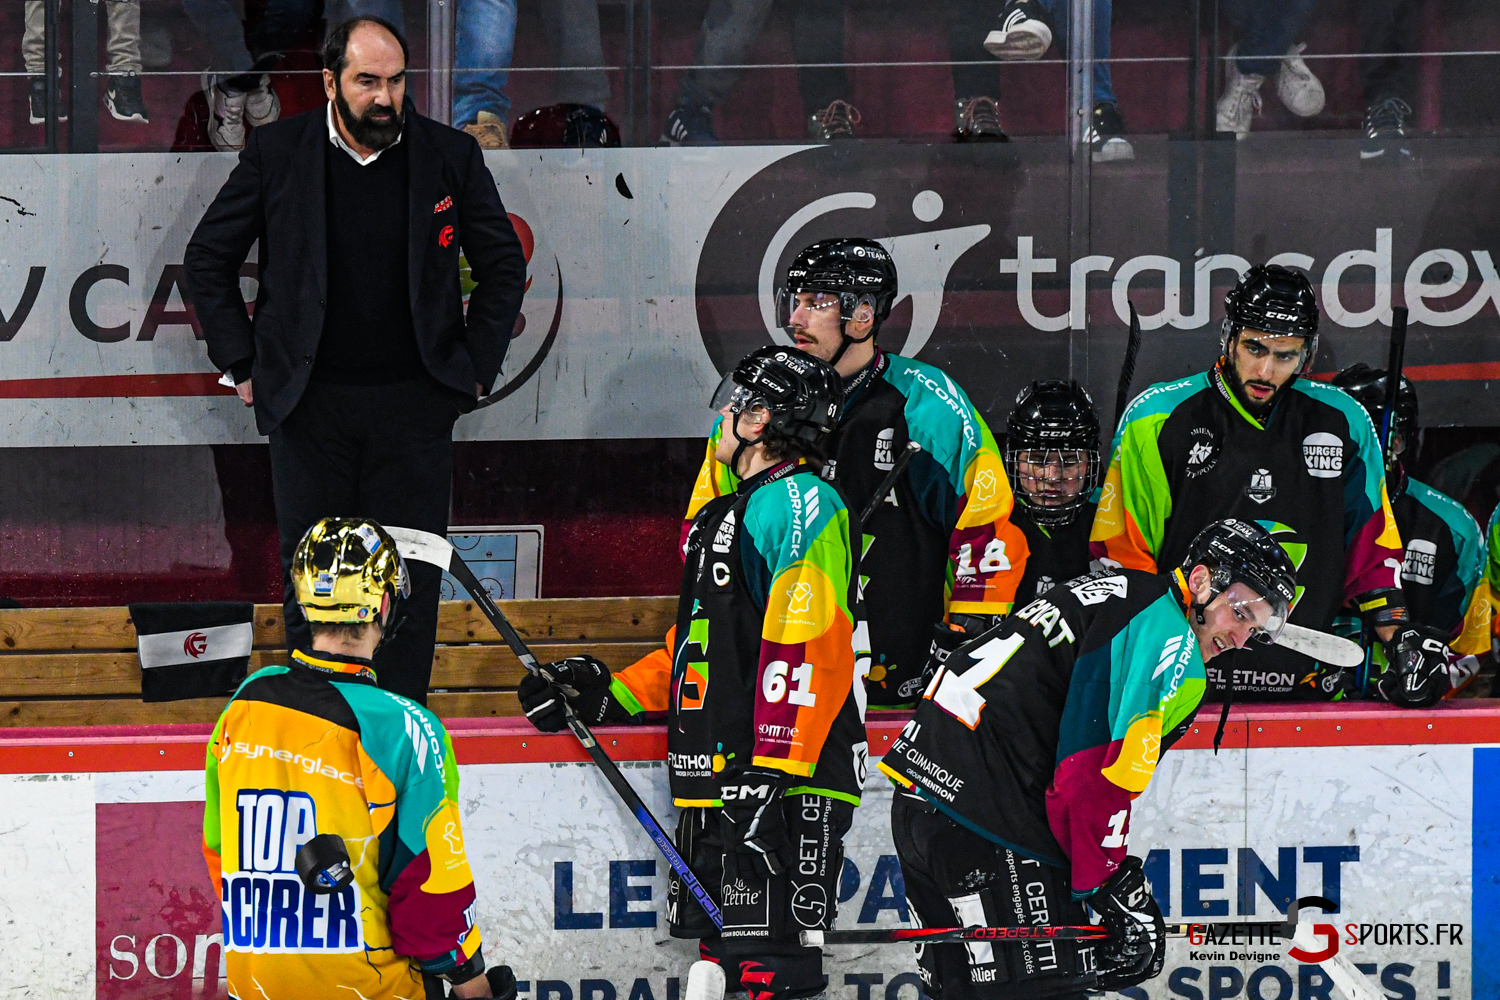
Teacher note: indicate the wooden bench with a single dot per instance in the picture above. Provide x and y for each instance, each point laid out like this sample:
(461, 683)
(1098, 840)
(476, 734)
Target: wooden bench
(78, 666)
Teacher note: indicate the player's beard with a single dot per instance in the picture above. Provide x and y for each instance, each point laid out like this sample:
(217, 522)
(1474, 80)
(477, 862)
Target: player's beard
(1257, 410)
(371, 133)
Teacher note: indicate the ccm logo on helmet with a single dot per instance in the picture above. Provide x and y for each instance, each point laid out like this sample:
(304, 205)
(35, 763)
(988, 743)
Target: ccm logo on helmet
(1288, 317)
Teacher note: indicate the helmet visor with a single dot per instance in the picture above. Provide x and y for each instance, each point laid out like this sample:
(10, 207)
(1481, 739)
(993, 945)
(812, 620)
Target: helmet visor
(788, 303)
(729, 393)
(1265, 616)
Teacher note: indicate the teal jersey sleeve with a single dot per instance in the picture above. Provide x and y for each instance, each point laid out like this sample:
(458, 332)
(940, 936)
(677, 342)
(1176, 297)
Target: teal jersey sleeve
(1464, 529)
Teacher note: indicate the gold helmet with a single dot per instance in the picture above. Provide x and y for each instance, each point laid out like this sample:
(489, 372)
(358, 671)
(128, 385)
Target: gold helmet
(347, 571)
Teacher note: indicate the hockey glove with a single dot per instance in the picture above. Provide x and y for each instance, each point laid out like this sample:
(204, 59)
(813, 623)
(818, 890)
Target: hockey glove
(948, 636)
(751, 824)
(582, 680)
(1422, 668)
(1381, 607)
(1137, 947)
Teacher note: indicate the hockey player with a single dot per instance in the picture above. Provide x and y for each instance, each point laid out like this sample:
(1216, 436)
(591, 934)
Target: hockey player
(1052, 457)
(316, 749)
(1016, 773)
(941, 544)
(763, 701)
(1444, 561)
(1252, 439)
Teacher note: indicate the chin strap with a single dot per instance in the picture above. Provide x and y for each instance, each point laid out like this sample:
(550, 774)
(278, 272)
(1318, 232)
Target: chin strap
(847, 340)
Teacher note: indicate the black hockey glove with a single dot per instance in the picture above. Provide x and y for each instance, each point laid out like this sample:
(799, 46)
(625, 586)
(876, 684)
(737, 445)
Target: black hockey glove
(1421, 668)
(1137, 947)
(948, 636)
(1382, 607)
(752, 825)
(582, 680)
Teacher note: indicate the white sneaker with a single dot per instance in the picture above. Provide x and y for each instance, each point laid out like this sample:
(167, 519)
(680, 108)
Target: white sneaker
(262, 106)
(1299, 90)
(226, 116)
(1022, 34)
(1241, 100)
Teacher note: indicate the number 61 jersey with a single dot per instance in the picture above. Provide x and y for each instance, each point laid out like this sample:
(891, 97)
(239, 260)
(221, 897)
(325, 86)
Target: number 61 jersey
(1038, 733)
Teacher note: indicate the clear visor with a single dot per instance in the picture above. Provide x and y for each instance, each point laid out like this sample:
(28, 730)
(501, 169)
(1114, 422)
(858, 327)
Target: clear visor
(788, 303)
(1266, 617)
(1051, 475)
(736, 397)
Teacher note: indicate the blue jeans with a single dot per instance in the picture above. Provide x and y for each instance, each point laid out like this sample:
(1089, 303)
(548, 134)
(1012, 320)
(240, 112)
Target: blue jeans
(486, 42)
(1058, 15)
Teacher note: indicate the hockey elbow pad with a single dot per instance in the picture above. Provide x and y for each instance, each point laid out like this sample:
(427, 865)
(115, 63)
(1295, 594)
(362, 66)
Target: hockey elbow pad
(1381, 607)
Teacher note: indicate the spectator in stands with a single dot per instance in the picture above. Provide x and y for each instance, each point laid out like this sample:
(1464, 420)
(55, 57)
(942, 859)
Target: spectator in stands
(236, 87)
(122, 96)
(486, 43)
(572, 30)
(1388, 30)
(360, 356)
(1026, 32)
(1268, 44)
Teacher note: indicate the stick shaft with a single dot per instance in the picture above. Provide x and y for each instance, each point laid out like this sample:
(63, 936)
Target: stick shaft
(1393, 368)
(1127, 368)
(611, 771)
(940, 935)
(888, 483)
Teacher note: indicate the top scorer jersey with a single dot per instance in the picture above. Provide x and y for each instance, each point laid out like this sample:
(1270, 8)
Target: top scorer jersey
(1040, 732)
(943, 539)
(302, 751)
(765, 664)
(1188, 454)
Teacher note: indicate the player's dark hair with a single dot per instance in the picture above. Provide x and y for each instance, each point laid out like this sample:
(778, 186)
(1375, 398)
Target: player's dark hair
(341, 631)
(336, 48)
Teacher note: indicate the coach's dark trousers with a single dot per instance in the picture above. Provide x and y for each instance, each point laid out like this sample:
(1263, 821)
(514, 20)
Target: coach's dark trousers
(379, 451)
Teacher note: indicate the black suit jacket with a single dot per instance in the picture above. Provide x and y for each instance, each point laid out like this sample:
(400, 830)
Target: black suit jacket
(276, 195)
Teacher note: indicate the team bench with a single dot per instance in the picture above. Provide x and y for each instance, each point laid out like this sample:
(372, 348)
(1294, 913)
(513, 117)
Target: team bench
(78, 666)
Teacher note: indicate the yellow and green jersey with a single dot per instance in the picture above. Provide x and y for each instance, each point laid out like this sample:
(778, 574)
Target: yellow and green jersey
(317, 748)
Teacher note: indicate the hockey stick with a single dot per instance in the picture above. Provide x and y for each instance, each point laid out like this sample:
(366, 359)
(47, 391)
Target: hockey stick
(424, 546)
(1331, 649)
(1127, 369)
(888, 483)
(1393, 378)
(1069, 932)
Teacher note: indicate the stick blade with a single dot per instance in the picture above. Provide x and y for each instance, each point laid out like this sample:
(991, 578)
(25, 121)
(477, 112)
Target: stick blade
(1331, 649)
(705, 981)
(422, 546)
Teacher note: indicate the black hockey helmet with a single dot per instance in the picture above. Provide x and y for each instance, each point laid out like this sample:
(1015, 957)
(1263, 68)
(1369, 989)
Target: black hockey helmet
(564, 126)
(1276, 301)
(1053, 417)
(802, 395)
(857, 270)
(1367, 386)
(1238, 551)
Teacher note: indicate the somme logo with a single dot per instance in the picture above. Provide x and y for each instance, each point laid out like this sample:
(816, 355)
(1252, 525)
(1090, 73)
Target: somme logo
(1420, 564)
(1098, 589)
(1324, 455)
(1261, 488)
(885, 458)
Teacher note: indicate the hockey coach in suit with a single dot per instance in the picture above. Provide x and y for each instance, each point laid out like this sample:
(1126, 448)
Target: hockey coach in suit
(359, 357)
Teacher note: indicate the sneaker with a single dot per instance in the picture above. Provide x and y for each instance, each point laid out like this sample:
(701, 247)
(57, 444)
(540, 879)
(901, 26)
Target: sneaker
(226, 117)
(1385, 132)
(687, 126)
(123, 98)
(1241, 100)
(1299, 90)
(977, 119)
(39, 102)
(1107, 135)
(262, 106)
(833, 123)
(489, 129)
(1023, 33)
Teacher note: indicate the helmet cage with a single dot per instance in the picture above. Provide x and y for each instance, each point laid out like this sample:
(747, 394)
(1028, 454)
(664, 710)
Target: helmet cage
(1052, 515)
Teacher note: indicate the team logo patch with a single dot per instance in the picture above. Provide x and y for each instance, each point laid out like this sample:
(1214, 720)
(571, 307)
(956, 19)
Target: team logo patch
(1324, 455)
(1044, 584)
(810, 904)
(1097, 590)
(323, 586)
(885, 458)
(445, 238)
(1261, 488)
(1420, 564)
(1202, 455)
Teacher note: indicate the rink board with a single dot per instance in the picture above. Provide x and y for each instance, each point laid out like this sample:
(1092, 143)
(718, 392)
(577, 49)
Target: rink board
(101, 846)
